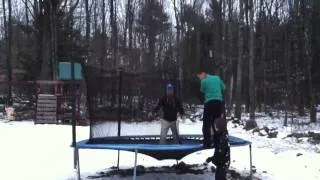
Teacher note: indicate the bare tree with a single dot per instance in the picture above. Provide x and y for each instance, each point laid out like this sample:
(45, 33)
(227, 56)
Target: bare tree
(288, 78)
(26, 11)
(252, 94)
(87, 28)
(229, 45)
(309, 57)
(130, 26)
(95, 16)
(9, 56)
(104, 39)
(217, 37)
(314, 34)
(240, 62)
(178, 49)
(113, 23)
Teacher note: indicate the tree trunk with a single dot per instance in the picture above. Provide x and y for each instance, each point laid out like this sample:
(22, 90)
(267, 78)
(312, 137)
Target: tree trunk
(35, 6)
(87, 28)
(309, 58)
(9, 57)
(45, 43)
(224, 40)
(130, 26)
(9, 100)
(53, 37)
(114, 32)
(230, 50)
(251, 123)
(314, 35)
(288, 79)
(239, 65)
(26, 12)
(217, 35)
(104, 40)
(114, 45)
(95, 18)
(178, 50)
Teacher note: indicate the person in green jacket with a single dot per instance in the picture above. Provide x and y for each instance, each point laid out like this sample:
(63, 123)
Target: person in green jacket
(213, 88)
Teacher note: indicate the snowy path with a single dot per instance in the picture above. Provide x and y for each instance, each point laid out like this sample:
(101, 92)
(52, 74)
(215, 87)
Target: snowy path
(42, 152)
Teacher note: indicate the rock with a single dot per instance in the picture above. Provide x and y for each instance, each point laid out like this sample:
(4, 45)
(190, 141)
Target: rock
(266, 129)
(273, 134)
(264, 172)
(113, 167)
(254, 169)
(236, 121)
(256, 130)
(270, 114)
(250, 125)
(299, 154)
(262, 134)
(141, 169)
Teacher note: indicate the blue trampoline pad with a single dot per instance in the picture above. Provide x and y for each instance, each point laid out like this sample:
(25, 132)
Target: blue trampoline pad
(149, 145)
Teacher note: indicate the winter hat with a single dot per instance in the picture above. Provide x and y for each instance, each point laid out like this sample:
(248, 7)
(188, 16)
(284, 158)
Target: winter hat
(169, 86)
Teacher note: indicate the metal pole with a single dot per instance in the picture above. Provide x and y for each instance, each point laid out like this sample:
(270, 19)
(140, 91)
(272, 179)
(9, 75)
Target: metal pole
(135, 164)
(73, 101)
(119, 110)
(120, 101)
(250, 149)
(78, 164)
(118, 162)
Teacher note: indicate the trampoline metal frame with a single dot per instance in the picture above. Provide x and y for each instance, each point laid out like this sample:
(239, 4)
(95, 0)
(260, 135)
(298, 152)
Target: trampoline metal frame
(134, 177)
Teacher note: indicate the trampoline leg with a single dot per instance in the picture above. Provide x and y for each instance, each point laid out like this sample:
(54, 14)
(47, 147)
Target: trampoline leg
(135, 165)
(78, 164)
(250, 149)
(118, 162)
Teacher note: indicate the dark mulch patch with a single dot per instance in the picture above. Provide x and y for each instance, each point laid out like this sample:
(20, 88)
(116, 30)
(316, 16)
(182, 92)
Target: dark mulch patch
(178, 169)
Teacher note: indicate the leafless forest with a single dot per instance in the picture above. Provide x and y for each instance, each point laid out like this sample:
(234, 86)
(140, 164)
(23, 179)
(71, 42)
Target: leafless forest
(267, 51)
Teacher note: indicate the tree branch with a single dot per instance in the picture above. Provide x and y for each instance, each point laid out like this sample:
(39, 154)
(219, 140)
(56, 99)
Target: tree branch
(31, 13)
(74, 7)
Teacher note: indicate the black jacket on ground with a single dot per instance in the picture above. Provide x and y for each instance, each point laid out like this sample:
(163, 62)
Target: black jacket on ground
(171, 107)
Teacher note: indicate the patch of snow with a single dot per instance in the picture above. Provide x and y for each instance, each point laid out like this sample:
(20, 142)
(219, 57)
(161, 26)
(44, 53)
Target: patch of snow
(43, 152)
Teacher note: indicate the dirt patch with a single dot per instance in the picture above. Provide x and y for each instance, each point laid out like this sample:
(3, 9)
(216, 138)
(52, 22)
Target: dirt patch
(181, 168)
(313, 137)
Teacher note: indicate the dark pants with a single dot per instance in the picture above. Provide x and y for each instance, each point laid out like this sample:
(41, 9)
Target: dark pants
(212, 111)
(221, 173)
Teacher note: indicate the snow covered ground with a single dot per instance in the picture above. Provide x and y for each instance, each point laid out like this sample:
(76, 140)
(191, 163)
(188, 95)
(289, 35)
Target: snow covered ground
(42, 152)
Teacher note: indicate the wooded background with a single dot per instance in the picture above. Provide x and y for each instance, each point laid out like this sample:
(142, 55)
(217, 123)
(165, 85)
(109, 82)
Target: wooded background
(267, 51)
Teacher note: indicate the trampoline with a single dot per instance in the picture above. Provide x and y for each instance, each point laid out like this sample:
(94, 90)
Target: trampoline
(128, 97)
(149, 145)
